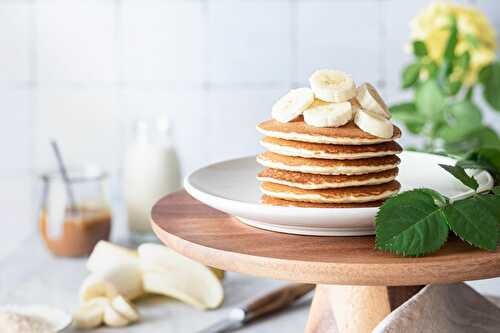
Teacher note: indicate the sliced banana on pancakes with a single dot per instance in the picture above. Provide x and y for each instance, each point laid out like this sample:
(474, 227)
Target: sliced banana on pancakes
(373, 123)
(332, 86)
(322, 114)
(369, 99)
(292, 105)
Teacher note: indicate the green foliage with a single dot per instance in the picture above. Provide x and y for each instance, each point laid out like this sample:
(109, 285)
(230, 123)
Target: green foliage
(417, 222)
(404, 223)
(486, 158)
(419, 48)
(443, 110)
(460, 174)
(474, 222)
(410, 75)
(490, 78)
(461, 119)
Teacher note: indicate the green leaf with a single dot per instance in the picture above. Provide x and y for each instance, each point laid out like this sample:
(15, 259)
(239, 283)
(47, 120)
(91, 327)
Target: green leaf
(473, 222)
(408, 115)
(406, 108)
(461, 175)
(452, 87)
(483, 159)
(491, 202)
(449, 51)
(439, 199)
(429, 100)
(432, 68)
(482, 136)
(463, 61)
(496, 190)
(472, 40)
(410, 75)
(411, 224)
(461, 119)
(419, 49)
(488, 155)
(489, 76)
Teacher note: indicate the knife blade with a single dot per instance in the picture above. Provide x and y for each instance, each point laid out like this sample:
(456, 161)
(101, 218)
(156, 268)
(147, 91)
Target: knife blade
(267, 304)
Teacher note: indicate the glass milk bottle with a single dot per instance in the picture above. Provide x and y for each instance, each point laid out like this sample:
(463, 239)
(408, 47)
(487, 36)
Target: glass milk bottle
(151, 171)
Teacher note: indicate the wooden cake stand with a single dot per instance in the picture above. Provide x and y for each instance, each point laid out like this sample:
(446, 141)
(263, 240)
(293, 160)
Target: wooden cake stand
(357, 286)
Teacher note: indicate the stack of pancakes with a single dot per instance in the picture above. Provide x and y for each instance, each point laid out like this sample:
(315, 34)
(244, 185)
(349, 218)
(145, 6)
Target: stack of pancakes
(309, 166)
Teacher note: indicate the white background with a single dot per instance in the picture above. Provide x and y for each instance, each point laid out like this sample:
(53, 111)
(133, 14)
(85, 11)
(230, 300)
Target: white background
(81, 70)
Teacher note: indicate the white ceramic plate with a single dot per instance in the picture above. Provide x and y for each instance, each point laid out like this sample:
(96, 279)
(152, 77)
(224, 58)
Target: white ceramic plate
(231, 187)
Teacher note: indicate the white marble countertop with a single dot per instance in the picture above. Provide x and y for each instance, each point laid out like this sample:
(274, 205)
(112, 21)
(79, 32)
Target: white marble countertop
(30, 275)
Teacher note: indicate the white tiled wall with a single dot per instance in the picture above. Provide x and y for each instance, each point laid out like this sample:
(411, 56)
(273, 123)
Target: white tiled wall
(82, 70)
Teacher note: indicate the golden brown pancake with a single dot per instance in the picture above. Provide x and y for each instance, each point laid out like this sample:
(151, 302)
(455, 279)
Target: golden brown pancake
(267, 200)
(355, 194)
(329, 151)
(310, 181)
(298, 130)
(328, 167)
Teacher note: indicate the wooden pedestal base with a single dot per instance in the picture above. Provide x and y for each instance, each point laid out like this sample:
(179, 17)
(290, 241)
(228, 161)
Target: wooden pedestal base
(354, 309)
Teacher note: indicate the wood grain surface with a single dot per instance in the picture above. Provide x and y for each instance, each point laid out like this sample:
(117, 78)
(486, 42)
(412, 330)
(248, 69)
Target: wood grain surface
(216, 239)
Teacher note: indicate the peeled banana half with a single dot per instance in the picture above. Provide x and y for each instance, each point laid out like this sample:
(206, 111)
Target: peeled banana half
(168, 273)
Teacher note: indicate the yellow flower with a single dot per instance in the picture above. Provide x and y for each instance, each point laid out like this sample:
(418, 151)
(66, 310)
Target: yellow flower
(431, 25)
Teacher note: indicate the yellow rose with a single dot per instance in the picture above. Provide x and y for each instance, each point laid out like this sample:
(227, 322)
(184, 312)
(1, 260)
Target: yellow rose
(431, 26)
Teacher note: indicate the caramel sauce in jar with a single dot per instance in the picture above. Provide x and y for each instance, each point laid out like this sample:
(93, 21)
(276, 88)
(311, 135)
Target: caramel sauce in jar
(80, 231)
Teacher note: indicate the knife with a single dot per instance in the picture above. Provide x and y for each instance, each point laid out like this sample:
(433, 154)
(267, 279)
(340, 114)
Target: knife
(269, 303)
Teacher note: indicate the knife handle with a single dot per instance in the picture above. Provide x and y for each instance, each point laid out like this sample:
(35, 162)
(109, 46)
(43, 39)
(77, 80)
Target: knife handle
(276, 300)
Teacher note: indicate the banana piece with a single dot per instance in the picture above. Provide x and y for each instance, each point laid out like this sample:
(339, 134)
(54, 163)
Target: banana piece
(124, 279)
(373, 123)
(90, 314)
(370, 100)
(290, 106)
(113, 318)
(332, 86)
(168, 273)
(106, 254)
(125, 308)
(322, 114)
(95, 287)
(218, 272)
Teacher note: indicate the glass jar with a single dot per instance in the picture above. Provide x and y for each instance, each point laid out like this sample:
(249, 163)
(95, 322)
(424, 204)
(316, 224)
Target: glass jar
(74, 218)
(151, 171)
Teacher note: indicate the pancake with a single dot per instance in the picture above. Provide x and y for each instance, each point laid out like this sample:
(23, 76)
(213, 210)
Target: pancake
(267, 200)
(328, 167)
(308, 181)
(356, 194)
(298, 130)
(328, 151)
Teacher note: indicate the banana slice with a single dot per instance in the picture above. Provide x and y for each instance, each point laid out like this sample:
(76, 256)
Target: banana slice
(290, 106)
(373, 123)
(113, 318)
(168, 273)
(332, 86)
(106, 254)
(370, 100)
(117, 280)
(322, 114)
(125, 308)
(90, 314)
